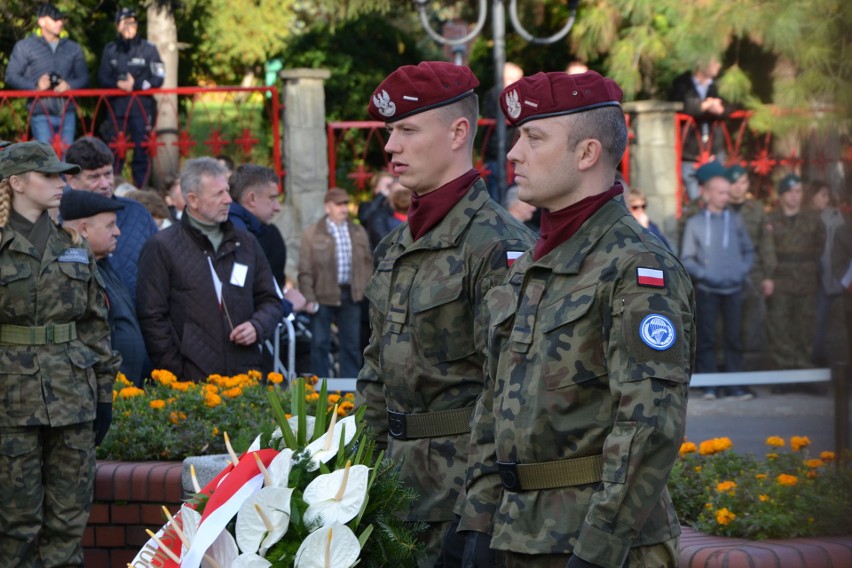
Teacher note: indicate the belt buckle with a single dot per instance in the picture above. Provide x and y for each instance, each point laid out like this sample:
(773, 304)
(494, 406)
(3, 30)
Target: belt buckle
(509, 476)
(396, 425)
(48, 334)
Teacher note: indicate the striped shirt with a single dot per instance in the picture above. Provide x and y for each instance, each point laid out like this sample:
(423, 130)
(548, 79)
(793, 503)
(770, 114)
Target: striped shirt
(342, 249)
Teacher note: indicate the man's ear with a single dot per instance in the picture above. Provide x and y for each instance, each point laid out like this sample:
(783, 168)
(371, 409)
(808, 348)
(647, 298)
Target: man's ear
(589, 152)
(460, 129)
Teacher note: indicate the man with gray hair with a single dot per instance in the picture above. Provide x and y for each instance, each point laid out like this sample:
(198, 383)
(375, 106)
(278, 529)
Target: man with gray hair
(206, 297)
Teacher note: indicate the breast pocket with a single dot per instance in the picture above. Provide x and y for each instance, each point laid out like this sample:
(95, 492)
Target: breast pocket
(443, 320)
(76, 283)
(17, 290)
(572, 349)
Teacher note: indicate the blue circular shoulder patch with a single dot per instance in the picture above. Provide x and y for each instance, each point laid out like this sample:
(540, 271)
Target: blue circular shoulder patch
(657, 332)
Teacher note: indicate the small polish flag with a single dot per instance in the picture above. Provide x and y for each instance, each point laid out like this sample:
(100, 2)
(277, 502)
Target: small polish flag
(650, 277)
(512, 256)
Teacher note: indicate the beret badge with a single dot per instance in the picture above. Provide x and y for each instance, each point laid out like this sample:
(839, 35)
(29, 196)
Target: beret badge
(513, 104)
(385, 106)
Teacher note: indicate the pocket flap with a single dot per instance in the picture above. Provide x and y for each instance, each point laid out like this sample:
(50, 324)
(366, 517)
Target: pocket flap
(13, 272)
(567, 309)
(438, 295)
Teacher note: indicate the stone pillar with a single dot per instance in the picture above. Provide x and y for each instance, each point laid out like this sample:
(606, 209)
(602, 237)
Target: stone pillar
(305, 156)
(653, 160)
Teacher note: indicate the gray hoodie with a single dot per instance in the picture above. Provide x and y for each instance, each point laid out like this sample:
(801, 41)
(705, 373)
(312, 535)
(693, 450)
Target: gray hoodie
(717, 251)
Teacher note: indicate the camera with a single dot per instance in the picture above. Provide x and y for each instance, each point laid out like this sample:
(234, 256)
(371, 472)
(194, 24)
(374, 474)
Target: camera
(54, 79)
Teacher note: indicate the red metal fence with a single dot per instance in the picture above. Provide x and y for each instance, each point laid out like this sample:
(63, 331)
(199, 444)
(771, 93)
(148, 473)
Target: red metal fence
(241, 122)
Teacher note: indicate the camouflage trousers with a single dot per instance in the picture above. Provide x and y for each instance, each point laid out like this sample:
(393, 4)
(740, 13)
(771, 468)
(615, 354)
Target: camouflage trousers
(46, 483)
(663, 555)
(790, 325)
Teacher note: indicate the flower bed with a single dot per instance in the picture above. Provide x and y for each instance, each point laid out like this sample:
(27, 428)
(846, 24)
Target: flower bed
(787, 494)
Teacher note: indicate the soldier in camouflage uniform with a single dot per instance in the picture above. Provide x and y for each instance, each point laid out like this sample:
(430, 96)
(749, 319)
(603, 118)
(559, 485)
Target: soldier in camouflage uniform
(798, 236)
(590, 351)
(424, 363)
(56, 366)
(754, 304)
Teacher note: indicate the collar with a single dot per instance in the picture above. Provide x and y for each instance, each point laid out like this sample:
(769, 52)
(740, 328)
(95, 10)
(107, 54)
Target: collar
(251, 222)
(428, 210)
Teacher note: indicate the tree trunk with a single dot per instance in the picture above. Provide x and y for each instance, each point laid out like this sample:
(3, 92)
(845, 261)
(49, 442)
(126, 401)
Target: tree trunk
(162, 32)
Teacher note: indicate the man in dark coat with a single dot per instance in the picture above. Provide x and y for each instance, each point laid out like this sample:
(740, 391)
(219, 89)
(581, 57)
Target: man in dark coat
(206, 298)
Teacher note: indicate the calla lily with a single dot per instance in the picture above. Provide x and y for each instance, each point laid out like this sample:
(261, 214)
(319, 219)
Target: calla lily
(222, 553)
(325, 447)
(263, 519)
(250, 561)
(333, 546)
(279, 468)
(190, 519)
(293, 421)
(337, 497)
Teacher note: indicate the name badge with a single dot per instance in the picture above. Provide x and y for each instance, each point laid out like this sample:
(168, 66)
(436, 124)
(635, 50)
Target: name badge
(238, 274)
(75, 255)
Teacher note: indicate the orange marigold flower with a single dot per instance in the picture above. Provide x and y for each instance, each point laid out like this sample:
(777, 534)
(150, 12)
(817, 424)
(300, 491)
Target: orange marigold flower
(812, 474)
(787, 480)
(177, 417)
(708, 506)
(333, 399)
(255, 375)
(209, 388)
(697, 469)
(157, 404)
(275, 378)
(171, 400)
(313, 380)
(827, 456)
(163, 376)
(775, 441)
(130, 392)
(121, 378)
(724, 516)
(181, 386)
(726, 486)
(312, 397)
(814, 463)
(232, 393)
(799, 442)
(349, 396)
(722, 444)
(771, 456)
(212, 400)
(114, 395)
(760, 476)
(688, 448)
(345, 408)
(763, 498)
(215, 431)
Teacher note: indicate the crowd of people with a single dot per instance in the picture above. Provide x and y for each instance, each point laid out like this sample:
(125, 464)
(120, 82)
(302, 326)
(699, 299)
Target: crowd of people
(528, 366)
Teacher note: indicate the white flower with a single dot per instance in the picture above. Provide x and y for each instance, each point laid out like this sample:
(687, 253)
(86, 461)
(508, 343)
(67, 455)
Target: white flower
(333, 546)
(263, 519)
(250, 561)
(325, 447)
(337, 497)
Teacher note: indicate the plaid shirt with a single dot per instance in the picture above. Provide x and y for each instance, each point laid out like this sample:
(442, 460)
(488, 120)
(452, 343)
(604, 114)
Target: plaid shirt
(343, 250)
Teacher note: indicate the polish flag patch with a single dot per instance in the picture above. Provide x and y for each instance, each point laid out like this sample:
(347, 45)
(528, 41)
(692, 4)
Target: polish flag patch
(650, 277)
(512, 256)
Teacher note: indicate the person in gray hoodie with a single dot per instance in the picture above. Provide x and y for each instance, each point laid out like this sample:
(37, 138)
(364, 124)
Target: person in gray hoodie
(718, 253)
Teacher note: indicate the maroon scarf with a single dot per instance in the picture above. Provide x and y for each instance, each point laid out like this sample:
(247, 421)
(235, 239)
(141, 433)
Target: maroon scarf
(559, 226)
(426, 211)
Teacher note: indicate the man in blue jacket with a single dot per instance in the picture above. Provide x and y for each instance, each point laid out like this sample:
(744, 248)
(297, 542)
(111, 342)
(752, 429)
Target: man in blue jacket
(46, 61)
(132, 64)
(718, 253)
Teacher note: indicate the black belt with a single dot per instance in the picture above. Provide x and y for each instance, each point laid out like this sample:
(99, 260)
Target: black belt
(429, 424)
(552, 474)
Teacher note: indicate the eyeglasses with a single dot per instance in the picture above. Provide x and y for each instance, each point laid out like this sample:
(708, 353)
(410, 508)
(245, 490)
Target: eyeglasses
(638, 206)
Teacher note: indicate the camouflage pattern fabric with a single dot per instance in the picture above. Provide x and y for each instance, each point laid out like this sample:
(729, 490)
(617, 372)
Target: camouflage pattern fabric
(427, 348)
(31, 157)
(55, 384)
(583, 361)
(655, 556)
(791, 310)
(46, 481)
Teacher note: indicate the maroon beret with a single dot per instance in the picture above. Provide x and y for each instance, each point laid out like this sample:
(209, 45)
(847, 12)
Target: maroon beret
(417, 88)
(552, 94)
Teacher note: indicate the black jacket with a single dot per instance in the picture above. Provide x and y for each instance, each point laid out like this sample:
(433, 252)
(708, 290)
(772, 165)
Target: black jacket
(683, 90)
(141, 59)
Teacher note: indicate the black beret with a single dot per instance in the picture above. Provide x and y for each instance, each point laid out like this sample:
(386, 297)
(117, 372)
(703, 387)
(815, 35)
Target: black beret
(79, 204)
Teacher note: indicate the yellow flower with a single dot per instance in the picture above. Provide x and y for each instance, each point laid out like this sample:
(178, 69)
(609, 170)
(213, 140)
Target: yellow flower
(157, 404)
(726, 486)
(114, 395)
(177, 417)
(827, 456)
(714, 446)
(163, 376)
(349, 396)
(799, 442)
(763, 498)
(775, 441)
(814, 463)
(209, 388)
(697, 469)
(724, 516)
(345, 408)
(130, 392)
(212, 400)
(760, 476)
(121, 378)
(313, 380)
(215, 431)
(255, 375)
(723, 444)
(181, 386)
(687, 448)
(787, 480)
(771, 456)
(708, 506)
(233, 393)
(275, 378)
(812, 474)
(312, 397)
(333, 399)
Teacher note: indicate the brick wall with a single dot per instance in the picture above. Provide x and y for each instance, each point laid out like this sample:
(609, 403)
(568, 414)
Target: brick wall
(128, 499)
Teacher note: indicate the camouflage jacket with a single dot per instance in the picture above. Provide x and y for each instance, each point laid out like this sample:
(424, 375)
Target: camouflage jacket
(56, 384)
(583, 360)
(754, 220)
(798, 242)
(429, 323)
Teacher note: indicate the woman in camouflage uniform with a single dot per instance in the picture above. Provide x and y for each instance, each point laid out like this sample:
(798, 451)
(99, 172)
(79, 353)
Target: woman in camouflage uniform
(56, 366)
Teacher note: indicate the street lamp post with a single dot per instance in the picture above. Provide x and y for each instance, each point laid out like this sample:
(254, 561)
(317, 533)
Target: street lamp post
(498, 20)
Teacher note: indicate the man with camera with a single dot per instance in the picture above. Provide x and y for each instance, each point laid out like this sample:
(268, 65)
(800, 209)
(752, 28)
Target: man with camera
(131, 63)
(46, 61)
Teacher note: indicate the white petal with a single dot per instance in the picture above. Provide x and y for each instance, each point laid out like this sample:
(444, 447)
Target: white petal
(293, 421)
(317, 447)
(189, 520)
(321, 492)
(344, 548)
(223, 550)
(279, 468)
(251, 531)
(250, 561)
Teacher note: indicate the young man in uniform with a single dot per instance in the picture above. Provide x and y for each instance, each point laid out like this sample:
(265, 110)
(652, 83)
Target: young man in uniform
(423, 366)
(590, 351)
